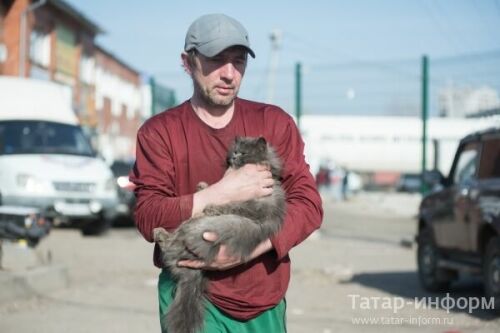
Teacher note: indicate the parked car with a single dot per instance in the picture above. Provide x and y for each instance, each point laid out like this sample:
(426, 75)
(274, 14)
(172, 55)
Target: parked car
(459, 221)
(46, 160)
(126, 197)
(409, 183)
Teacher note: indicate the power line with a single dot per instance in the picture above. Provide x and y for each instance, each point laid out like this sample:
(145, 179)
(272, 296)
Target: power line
(444, 17)
(484, 23)
(355, 60)
(491, 54)
(440, 25)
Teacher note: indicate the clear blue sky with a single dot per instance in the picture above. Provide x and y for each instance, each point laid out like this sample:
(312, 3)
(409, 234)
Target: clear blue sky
(149, 35)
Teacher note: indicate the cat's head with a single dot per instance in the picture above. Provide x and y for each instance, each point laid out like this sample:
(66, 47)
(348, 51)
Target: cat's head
(247, 150)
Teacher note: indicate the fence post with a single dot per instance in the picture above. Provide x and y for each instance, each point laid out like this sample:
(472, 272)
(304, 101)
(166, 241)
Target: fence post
(298, 92)
(425, 115)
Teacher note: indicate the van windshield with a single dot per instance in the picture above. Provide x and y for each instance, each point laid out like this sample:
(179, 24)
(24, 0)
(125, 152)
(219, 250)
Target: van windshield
(42, 137)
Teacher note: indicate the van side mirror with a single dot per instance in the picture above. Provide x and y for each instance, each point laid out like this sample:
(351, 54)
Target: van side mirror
(434, 178)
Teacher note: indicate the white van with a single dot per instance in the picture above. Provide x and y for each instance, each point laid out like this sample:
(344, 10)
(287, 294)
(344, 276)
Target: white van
(47, 162)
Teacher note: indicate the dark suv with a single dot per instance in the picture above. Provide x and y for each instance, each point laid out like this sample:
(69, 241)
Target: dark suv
(459, 221)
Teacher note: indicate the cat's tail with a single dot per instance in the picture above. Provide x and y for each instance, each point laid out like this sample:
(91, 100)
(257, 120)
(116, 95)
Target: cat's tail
(186, 313)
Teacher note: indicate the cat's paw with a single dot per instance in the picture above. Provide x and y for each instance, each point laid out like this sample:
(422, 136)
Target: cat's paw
(211, 210)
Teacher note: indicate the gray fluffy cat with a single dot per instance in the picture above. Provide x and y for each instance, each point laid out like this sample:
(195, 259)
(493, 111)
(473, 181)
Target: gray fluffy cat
(240, 226)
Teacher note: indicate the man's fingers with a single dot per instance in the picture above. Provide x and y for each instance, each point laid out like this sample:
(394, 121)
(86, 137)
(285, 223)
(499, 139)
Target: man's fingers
(191, 263)
(210, 236)
(263, 167)
(229, 170)
(267, 191)
(256, 167)
(268, 182)
(268, 174)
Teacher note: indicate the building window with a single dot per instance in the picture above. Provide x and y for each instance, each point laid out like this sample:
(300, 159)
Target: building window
(40, 48)
(87, 69)
(66, 55)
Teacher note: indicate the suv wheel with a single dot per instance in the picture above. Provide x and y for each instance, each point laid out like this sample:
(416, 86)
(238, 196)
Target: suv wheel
(491, 271)
(431, 276)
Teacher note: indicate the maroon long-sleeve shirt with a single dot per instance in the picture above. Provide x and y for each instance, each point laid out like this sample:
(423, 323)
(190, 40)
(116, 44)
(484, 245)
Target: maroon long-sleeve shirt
(176, 150)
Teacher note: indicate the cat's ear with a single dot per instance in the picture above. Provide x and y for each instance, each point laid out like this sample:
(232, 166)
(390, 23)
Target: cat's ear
(161, 236)
(237, 139)
(262, 142)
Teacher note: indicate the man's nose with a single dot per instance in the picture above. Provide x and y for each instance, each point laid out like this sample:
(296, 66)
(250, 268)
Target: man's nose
(227, 71)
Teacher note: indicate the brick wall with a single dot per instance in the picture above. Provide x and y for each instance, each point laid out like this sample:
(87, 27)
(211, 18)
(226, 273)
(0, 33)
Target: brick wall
(11, 32)
(113, 65)
(2, 18)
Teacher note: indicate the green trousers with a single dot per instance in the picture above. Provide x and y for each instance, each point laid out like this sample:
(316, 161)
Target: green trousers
(270, 321)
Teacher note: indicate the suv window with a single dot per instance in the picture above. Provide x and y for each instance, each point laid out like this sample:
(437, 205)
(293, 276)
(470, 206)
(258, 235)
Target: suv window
(466, 164)
(490, 160)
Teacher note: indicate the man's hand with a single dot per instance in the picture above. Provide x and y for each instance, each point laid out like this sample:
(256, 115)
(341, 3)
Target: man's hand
(223, 261)
(248, 182)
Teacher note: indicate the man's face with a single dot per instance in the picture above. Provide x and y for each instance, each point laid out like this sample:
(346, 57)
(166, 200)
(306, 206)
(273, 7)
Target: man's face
(217, 79)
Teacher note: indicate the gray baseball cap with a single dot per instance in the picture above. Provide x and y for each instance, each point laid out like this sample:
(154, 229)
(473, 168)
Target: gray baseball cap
(213, 33)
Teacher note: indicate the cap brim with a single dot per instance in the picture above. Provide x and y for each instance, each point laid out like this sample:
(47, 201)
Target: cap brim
(215, 47)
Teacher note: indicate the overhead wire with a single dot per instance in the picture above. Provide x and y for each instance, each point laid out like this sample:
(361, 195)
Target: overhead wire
(450, 39)
(354, 59)
(484, 23)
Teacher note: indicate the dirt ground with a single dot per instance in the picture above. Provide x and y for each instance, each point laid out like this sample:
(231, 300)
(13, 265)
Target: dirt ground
(357, 273)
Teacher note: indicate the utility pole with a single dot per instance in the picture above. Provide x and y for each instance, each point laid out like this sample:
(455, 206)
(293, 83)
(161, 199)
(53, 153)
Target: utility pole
(298, 92)
(275, 37)
(152, 86)
(425, 115)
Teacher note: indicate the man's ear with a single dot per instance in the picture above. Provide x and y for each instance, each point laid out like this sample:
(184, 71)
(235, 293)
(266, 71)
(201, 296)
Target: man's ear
(185, 63)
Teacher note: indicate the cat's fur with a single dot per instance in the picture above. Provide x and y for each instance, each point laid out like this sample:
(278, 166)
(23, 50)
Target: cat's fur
(239, 226)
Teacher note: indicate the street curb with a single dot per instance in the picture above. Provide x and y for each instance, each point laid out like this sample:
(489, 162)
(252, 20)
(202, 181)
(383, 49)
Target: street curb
(32, 282)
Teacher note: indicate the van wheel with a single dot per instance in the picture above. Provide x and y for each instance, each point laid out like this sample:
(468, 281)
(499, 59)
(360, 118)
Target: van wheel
(432, 278)
(491, 271)
(96, 228)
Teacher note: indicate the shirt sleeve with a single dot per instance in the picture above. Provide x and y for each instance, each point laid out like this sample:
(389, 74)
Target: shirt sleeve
(158, 204)
(304, 212)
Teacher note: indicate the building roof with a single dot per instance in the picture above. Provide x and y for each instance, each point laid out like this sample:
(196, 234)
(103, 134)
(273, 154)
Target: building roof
(485, 113)
(76, 15)
(115, 58)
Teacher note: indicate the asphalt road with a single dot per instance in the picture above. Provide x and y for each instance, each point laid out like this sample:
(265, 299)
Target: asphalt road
(353, 275)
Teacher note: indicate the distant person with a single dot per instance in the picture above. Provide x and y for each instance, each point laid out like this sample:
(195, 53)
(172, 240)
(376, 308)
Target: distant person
(345, 184)
(323, 177)
(187, 144)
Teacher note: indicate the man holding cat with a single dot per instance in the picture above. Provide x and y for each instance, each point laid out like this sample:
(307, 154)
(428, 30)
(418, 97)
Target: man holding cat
(187, 144)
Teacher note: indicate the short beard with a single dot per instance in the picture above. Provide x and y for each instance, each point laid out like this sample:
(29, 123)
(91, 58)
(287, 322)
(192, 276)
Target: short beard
(206, 98)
